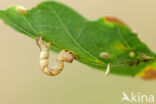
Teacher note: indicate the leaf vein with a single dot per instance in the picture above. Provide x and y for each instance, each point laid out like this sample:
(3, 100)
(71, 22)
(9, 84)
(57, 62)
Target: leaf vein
(13, 23)
(69, 34)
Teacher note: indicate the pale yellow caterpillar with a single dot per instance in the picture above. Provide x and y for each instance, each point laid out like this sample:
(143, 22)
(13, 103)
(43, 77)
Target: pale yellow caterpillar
(64, 56)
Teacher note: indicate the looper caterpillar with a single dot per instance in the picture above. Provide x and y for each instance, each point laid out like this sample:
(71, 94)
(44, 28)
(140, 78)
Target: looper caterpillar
(64, 56)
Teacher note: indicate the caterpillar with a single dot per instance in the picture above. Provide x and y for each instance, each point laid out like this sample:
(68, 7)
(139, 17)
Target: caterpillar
(64, 56)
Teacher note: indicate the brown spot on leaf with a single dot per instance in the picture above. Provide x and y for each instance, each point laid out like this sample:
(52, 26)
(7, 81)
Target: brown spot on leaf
(145, 60)
(132, 63)
(105, 55)
(114, 20)
(150, 73)
(122, 47)
(138, 62)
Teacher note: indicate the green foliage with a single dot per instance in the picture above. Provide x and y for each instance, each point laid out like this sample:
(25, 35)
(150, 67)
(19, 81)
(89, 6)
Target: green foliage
(66, 29)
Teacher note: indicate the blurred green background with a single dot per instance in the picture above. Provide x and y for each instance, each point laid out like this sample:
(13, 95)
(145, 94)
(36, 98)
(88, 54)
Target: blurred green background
(21, 79)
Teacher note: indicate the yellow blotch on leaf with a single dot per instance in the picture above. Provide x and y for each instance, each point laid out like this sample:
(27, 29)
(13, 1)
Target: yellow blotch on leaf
(21, 10)
(148, 72)
(99, 62)
(122, 47)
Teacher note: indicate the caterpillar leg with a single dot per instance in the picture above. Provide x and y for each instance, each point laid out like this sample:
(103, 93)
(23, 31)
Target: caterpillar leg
(64, 56)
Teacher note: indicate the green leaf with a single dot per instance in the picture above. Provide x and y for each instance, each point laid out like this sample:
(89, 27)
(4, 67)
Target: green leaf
(96, 43)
